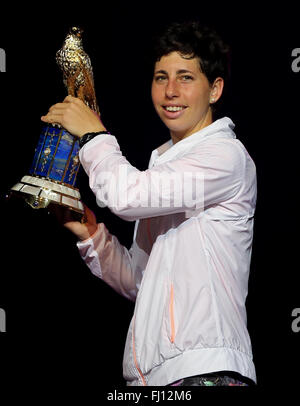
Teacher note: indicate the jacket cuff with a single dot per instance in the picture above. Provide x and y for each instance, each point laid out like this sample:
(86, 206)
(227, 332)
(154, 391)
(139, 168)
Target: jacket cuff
(83, 243)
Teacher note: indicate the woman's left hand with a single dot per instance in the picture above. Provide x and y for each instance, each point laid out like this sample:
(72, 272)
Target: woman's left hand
(75, 116)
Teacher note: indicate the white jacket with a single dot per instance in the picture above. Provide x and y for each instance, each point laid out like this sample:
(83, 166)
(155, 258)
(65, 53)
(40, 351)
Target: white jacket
(188, 266)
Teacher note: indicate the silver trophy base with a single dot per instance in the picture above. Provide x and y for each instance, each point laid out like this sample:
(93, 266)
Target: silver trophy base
(40, 192)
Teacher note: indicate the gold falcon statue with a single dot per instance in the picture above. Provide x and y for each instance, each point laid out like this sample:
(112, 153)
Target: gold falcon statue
(77, 69)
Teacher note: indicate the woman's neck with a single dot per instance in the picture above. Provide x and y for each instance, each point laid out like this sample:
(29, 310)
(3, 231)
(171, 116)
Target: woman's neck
(178, 136)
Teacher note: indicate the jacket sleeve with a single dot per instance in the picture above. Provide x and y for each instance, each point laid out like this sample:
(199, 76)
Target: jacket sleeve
(110, 261)
(210, 174)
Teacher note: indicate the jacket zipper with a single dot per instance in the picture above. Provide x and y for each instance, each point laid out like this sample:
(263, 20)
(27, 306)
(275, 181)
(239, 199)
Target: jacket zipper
(133, 326)
(171, 310)
(171, 303)
(134, 356)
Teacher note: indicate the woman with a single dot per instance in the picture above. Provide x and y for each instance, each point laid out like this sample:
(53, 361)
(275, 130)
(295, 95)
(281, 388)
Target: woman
(188, 267)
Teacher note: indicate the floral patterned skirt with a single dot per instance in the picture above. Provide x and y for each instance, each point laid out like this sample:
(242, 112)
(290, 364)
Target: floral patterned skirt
(214, 379)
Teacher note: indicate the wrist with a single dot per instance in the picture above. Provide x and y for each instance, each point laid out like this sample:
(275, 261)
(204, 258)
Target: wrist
(90, 231)
(89, 136)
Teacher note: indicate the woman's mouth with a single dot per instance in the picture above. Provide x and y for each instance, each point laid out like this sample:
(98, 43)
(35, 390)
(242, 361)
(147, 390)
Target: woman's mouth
(173, 111)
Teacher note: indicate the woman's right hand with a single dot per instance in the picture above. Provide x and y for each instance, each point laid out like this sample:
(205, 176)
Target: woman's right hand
(83, 229)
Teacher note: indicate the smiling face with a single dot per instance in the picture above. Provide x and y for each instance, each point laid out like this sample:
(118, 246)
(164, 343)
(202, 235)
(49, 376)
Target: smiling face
(181, 95)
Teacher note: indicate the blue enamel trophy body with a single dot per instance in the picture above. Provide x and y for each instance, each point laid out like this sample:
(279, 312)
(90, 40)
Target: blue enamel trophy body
(52, 176)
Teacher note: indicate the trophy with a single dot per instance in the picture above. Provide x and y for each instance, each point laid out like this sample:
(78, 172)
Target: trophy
(52, 176)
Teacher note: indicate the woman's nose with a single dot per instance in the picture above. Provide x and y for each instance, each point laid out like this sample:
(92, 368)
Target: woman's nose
(172, 89)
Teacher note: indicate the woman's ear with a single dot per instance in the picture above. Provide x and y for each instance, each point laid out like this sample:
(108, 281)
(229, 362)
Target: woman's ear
(216, 90)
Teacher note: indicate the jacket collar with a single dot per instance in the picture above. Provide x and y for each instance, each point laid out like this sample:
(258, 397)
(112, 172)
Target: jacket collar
(168, 149)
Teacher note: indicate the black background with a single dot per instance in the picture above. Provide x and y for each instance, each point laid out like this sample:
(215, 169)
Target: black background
(66, 328)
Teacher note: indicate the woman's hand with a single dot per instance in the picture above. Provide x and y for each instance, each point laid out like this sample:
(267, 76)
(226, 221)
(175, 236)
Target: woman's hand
(75, 116)
(84, 229)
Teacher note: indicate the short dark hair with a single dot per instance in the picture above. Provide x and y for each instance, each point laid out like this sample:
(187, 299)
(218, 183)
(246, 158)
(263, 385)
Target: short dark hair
(191, 39)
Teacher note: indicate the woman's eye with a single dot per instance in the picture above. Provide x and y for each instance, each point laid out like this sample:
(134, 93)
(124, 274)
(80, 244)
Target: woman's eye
(186, 78)
(160, 78)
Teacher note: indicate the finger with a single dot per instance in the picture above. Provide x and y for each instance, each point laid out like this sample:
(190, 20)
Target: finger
(52, 118)
(57, 106)
(85, 216)
(89, 215)
(71, 99)
(92, 219)
(53, 110)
